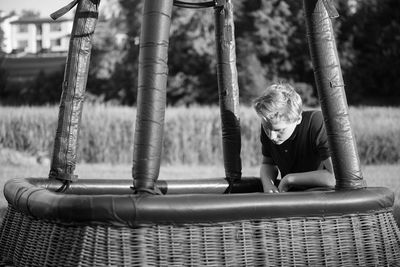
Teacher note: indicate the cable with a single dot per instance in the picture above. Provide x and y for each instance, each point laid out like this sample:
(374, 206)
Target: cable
(194, 5)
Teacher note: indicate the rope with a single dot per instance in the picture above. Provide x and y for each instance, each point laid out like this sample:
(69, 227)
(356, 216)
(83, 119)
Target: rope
(64, 187)
(155, 191)
(63, 10)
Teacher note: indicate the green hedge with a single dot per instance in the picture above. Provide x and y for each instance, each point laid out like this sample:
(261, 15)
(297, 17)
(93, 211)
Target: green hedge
(192, 135)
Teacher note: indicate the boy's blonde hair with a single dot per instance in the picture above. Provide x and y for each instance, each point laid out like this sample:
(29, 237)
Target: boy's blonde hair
(279, 102)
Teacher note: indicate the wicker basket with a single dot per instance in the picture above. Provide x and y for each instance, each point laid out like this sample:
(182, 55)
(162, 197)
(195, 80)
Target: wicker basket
(347, 240)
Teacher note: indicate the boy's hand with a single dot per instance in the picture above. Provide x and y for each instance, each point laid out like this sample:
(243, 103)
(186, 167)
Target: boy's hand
(270, 188)
(284, 185)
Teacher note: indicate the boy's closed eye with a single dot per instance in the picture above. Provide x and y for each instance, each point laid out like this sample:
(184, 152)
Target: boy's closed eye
(278, 132)
(270, 128)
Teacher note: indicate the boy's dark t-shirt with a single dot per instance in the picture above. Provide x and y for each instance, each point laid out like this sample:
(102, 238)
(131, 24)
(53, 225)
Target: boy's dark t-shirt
(305, 149)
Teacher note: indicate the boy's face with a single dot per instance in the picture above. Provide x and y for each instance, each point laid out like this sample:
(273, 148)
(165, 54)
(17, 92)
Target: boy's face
(279, 131)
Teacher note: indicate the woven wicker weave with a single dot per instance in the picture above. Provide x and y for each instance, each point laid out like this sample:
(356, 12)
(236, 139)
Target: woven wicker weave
(347, 240)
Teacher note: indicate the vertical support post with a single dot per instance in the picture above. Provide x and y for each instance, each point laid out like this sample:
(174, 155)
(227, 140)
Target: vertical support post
(330, 86)
(151, 102)
(73, 91)
(228, 89)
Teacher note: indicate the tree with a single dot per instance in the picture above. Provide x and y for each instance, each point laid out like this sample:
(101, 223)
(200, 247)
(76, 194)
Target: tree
(251, 74)
(28, 14)
(271, 45)
(123, 81)
(192, 75)
(264, 31)
(371, 35)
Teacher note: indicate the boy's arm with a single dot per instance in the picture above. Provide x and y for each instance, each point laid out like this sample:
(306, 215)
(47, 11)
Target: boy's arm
(323, 177)
(268, 175)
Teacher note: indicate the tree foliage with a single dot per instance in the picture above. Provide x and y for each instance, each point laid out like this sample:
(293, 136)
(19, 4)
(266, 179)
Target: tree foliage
(271, 45)
(371, 38)
(29, 14)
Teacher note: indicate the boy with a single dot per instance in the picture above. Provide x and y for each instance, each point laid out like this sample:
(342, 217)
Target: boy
(293, 141)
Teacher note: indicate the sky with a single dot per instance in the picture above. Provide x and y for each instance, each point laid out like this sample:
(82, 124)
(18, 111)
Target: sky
(45, 7)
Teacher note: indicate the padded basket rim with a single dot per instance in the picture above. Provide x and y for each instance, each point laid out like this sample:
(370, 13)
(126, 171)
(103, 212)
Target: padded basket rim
(130, 209)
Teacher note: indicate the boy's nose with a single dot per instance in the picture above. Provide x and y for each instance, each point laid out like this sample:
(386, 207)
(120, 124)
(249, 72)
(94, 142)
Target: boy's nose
(272, 135)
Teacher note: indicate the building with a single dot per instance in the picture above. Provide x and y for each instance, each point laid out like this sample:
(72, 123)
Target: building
(5, 28)
(35, 35)
(33, 45)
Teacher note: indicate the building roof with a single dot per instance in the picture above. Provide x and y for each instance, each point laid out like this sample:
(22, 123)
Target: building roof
(7, 17)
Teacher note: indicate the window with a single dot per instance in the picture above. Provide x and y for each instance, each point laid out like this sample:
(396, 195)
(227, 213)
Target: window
(55, 27)
(23, 28)
(22, 44)
(55, 42)
(39, 45)
(39, 29)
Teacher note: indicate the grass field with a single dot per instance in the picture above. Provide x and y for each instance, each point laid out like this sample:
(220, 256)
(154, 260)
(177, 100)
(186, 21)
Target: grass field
(375, 175)
(192, 135)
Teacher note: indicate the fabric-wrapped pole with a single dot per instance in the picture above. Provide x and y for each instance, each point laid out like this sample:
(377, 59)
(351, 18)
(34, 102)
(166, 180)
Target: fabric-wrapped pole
(73, 91)
(151, 102)
(228, 89)
(330, 86)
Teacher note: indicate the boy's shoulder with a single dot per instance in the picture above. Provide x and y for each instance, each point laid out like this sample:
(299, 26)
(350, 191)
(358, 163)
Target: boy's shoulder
(312, 114)
(312, 117)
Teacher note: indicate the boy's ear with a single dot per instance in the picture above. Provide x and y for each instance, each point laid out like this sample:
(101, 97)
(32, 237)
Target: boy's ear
(299, 120)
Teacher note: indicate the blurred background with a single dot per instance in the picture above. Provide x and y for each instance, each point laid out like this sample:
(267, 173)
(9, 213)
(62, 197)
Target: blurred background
(271, 44)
